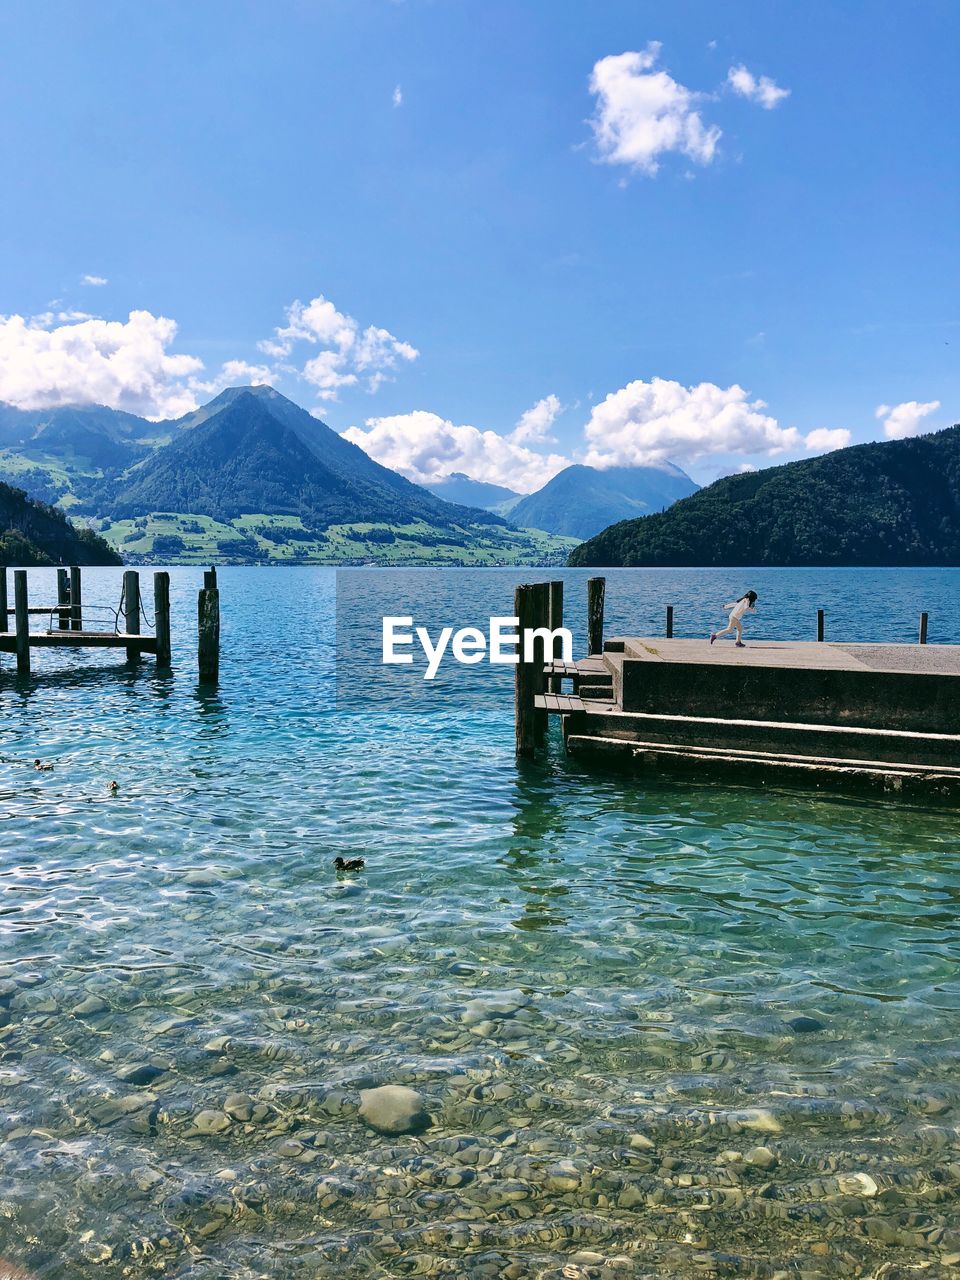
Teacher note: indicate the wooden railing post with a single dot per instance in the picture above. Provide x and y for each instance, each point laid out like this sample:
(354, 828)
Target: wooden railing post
(161, 611)
(923, 629)
(131, 611)
(208, 630)
(596, 588)
(76, 605)
(819, 624)
(524, 607)
(669, 621)
(23, 621)
(63, 600)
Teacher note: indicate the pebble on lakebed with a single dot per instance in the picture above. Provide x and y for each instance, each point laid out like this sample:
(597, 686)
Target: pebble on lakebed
(393, 1109)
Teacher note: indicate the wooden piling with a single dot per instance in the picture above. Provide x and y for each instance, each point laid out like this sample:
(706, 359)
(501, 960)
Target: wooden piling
(210, 577)
(208, 630)
(131, 611)
(161, 612)
(542, 597)
(76, 605)
(923, 629)
(524, 608)
(21, 607)
(4, 609)
(596, 589)
(63, 600)
(556, 605)
(820, 625)
(554, 684)
(669, 621)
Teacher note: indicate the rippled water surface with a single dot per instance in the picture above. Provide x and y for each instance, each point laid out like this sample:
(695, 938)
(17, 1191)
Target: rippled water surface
(660, 1029)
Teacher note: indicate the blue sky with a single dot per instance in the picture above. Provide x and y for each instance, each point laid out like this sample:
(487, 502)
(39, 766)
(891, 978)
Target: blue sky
(216, 162)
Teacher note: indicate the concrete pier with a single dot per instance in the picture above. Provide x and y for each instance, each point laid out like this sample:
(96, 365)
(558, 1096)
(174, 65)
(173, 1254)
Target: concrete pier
(885, 716)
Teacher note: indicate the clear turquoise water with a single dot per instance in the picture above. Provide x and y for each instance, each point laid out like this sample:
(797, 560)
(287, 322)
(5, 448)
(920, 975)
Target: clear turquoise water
(629, 1085)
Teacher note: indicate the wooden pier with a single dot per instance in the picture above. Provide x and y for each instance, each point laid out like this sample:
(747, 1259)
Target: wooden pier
(73, 625)
(881, 716)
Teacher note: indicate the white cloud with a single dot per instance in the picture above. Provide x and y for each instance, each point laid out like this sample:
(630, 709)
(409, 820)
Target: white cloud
(763, 91)
(123, 364)
(425, 447)
(349, 351)
(647, 423)
(902, 420)
(824, 439)
(534, 425)
(94, 280)
(642, 113)
(397, 98)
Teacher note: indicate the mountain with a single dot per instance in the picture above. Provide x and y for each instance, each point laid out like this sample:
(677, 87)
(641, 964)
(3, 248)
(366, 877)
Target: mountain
(60, 455)
(254, 451)
(32, 533)
(580, 501)
(891, 503)
(457, 487)
(250, 476)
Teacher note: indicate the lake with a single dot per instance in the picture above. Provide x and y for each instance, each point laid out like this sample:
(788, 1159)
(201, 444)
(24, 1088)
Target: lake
(661, 1028)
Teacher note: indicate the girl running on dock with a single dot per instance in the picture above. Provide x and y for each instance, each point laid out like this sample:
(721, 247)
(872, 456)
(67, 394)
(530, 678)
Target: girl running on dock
(737, 609)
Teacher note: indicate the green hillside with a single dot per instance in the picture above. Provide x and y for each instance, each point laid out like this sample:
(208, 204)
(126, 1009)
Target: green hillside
(893, 503)
(31, 533)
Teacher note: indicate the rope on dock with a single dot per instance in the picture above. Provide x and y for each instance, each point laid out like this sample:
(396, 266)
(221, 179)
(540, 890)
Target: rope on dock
(151, 622)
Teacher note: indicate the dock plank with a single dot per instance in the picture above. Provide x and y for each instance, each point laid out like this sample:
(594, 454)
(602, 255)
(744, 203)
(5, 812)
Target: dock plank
(80, 640)
(559, 703)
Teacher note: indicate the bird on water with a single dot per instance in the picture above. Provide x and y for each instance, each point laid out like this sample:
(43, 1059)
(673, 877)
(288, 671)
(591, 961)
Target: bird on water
(349, 864)
(41, 767)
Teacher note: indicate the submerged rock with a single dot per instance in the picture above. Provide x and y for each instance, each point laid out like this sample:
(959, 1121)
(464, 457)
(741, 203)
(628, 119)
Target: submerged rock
(761, 1157)
(210, 1121)
(804, 1025)
(140, 1074)
(493, 1008)
(393, 1108)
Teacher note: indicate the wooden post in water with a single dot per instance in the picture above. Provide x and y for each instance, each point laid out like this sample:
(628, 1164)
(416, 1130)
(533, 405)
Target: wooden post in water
(819, 624)
(923, 629)
(596, 588)
(556, 605)
(131, 610)
(524, 608)
(161, 612)
(76, 606)
(63, 600)
(208, 629)
(542, 596)
(556, 620)
(4, 622)
(669, 621)
(23, 621)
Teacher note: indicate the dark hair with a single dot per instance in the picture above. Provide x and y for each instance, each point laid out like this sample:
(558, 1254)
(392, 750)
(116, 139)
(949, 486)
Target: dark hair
(751, 596)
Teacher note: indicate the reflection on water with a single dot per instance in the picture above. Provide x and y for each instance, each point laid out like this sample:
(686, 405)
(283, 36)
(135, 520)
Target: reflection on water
(661, 1029)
